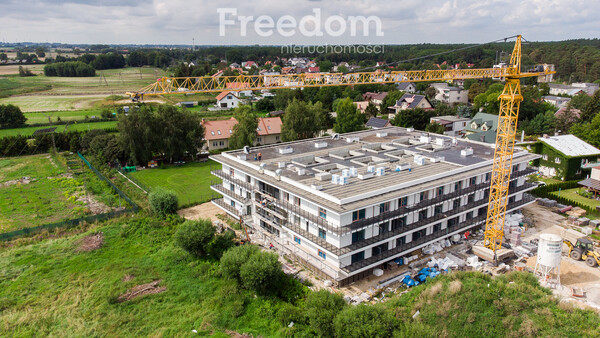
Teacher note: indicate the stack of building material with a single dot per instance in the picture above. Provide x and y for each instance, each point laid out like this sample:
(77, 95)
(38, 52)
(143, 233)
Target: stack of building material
(582, 221)
(577, 211)
(595, 223)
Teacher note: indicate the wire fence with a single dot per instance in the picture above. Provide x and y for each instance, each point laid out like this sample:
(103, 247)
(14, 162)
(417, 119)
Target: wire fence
(86, 219)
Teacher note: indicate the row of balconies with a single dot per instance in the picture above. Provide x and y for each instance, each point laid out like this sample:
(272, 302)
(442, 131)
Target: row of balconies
(431, 237)
(388, 234)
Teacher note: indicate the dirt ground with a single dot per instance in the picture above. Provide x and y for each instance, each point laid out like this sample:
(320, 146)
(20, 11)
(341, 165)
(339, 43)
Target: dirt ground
(205, 210)
(572, 273)
(144, 289)
(91, 242)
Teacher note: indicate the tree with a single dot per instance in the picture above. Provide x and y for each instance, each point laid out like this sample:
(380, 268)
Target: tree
(40, 51)
(566, 119)
(195, 236)
(325, 66)
(435, 128)
(244, 132)
(266, 104)
(390, 99)
(464, 111)
(588, 131)
(106, 114)
(430, 92)
(233, 259)
(349, 118)
(592, 108)
(11, 116)
(321, 308)
(541, 124)
(262, 273)
(416, 118)
(303, 120)
(580, 101)
(364, 321)
(163, 202)
(371, 110)
(23, 72)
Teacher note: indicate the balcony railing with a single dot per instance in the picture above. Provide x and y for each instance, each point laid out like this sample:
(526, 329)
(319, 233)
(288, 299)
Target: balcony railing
(436, 235)
(289, 207)
(220, 202)
(221, 189)
(226, 176)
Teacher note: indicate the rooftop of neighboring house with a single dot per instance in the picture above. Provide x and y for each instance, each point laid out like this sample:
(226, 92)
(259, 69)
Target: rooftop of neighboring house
(450, 119)
(238, 85)
(445, 86)
(375, 96)
(413, 100)
(361, 105)
(555, 98)
(570, 145)
(218, 129)
(306, 166)
(563, 109)
(222, 95)
(480, 119)
(222, 129)
(375, 122)
(269, 125)
(404, 85)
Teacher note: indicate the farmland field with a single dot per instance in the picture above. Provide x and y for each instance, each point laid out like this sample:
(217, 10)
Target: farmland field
(191, 182)
(60, 128)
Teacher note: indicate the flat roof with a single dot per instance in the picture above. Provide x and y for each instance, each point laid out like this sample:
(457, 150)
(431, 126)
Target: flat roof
(570, 145)
(305, 167)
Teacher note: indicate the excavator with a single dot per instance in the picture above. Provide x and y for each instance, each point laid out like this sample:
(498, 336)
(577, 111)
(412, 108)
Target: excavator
(510, 100)
(584, 250)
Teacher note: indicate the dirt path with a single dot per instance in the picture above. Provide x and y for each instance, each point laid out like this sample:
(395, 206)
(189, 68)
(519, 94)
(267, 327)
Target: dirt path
(205, 210)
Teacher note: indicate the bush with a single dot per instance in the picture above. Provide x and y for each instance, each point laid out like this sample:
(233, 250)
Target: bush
(220, 244)
(234, 258)
(11, 116)
(163, 202)
(364, 321)
(195, 236)
(321, 309)
(289, 313)
(262, 273)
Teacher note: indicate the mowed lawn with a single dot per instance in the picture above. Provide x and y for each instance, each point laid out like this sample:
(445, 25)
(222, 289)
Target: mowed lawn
(572, 195)
(191, 181)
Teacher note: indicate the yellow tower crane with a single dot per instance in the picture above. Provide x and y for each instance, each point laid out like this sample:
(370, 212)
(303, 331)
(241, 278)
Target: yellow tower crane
(510, 100)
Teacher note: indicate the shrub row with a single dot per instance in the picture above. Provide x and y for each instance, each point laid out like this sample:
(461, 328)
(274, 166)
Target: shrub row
(69, 69)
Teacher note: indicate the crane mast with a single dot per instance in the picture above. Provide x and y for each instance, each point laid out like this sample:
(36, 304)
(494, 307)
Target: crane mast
(510, 100)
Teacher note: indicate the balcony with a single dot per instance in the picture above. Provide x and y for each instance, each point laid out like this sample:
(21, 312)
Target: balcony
(434, 236)
(289, 207)
(221, 203)
(223, 175)
(439, 217)
(221, 189)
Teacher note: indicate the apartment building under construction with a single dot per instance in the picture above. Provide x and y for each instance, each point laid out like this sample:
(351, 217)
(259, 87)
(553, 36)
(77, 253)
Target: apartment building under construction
(351, 203)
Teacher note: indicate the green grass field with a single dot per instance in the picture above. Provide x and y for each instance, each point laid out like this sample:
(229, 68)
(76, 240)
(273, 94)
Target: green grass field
(46, 199)
(572, 195)
(51, 288)
(49, 196)
(191, 182)
(74, 115)
(60, 128)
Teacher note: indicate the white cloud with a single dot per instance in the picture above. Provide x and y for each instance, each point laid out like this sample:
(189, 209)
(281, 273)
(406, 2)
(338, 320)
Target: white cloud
(405, 21)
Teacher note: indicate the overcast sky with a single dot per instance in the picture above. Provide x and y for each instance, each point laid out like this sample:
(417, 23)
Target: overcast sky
(402, 22)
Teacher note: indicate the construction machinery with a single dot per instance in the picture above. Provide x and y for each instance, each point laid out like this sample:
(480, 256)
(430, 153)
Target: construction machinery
(510, 100)
(583, 250)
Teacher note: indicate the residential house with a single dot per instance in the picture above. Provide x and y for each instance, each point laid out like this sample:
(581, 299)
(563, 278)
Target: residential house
(217, 133)
(482, 128)
(234, 65)
(240, 89)
(376, 98)
(556, 100)
(407, 87)
(453, 125)
(249, 64)
(592, 183)
(450, 95)
(561, 89)
(377, 123)
(575, 113)
(589, 88)
(227, 100)
(563, 156)
(268, 130)
(314, 69)
(410, 101)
